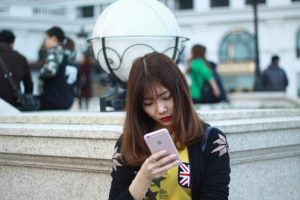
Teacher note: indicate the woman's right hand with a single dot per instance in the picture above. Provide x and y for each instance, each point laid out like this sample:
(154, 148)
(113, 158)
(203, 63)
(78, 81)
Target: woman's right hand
(154, 167)
(157, 165)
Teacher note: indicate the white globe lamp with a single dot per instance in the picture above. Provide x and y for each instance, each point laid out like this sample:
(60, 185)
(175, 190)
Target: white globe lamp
(128, 29)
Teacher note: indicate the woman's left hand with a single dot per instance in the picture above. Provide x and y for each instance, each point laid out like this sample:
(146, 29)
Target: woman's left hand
(154, 167)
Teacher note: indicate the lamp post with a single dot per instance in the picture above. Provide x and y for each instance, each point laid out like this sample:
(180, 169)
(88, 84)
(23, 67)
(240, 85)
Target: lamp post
(121, 35)
(257, 83)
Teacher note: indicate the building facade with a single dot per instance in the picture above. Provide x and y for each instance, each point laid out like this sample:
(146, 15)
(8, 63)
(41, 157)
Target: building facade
(225, 27)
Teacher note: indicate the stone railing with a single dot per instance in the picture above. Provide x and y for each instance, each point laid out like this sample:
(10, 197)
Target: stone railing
(67, 155)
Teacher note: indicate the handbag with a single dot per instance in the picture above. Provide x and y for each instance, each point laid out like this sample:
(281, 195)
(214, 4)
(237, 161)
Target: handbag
(207, 93)
(26, 102)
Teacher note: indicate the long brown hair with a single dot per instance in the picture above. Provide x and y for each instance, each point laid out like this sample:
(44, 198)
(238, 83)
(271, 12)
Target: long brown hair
(148, 71)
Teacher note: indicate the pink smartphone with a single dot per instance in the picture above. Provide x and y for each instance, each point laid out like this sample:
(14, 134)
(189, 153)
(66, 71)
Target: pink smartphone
(161, 140)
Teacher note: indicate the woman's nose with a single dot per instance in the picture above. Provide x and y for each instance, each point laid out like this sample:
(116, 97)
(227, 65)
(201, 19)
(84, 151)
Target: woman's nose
(161, 107)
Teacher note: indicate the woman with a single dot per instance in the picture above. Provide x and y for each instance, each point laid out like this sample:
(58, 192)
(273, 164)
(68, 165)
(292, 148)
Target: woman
(199, 73)
(58, 74)
(158, 97)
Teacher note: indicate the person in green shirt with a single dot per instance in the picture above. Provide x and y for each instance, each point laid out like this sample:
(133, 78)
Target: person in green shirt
(199, 72)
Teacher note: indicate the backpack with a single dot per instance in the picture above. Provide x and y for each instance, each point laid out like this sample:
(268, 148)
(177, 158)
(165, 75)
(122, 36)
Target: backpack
(207, 94)
(205, 136)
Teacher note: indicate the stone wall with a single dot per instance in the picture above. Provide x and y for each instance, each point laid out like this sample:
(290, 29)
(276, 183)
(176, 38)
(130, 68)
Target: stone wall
(67, 155)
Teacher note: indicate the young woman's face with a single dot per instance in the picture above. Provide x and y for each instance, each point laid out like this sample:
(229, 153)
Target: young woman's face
(159, 106)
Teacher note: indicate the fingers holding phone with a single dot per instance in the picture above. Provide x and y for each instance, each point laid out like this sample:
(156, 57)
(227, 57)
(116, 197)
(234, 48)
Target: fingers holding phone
(165, 164)
(154, 167)
(164, 153)
(164, 157)
(159, 163)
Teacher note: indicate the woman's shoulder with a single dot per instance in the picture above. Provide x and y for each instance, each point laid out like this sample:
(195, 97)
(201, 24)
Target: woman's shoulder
(216, 142)
(119, 166)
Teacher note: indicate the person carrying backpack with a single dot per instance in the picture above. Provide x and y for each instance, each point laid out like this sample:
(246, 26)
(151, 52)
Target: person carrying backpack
(203, 84)
(14, 70)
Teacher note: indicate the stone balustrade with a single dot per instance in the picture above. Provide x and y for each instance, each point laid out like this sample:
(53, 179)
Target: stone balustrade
(67, 155)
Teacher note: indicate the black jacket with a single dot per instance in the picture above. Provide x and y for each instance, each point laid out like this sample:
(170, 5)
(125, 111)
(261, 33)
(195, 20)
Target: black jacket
(274, 78)
(210, 170)
(18, 66)
(59, 77)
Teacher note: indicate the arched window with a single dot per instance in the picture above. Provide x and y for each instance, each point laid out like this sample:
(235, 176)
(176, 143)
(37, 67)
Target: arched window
(298, 44)
(237, 46)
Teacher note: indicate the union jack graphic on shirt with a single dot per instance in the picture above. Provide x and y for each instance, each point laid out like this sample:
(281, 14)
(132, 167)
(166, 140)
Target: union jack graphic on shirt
(184, 178)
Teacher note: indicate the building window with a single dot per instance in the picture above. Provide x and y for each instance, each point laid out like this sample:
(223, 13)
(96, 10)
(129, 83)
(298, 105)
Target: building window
(178, 4)
(218, 3)
(4, 9)
(184, 4)
(237, 46)
(249, 2)
(86, 11)
(298, 44)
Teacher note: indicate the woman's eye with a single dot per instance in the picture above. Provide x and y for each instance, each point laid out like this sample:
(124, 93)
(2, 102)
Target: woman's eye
(147, 103)
(167, 97)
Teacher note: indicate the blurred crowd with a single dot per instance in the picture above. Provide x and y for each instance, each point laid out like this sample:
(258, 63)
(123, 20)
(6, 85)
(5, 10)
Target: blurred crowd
(64, 75)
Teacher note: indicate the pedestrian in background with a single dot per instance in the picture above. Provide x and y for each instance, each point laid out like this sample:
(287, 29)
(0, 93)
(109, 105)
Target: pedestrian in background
(274, 77)
(158, 97)
(199, 72)
(84, 80)
(17, 66)
(58, 75)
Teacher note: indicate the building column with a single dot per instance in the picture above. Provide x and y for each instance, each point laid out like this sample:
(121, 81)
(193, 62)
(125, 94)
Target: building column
(203, 5)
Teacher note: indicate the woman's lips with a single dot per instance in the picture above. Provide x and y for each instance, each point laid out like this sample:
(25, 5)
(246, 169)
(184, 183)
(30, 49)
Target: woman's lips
(166, 119)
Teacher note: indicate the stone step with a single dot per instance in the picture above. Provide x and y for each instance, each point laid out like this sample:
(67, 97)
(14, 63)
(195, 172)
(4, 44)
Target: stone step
(94, 141)
(117, 118)
(39, 151)
(86, 131)
(104, 131)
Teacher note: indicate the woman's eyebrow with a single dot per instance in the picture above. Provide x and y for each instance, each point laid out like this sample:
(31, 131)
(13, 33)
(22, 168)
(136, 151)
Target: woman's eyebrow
(147, 98)
(163, 92)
